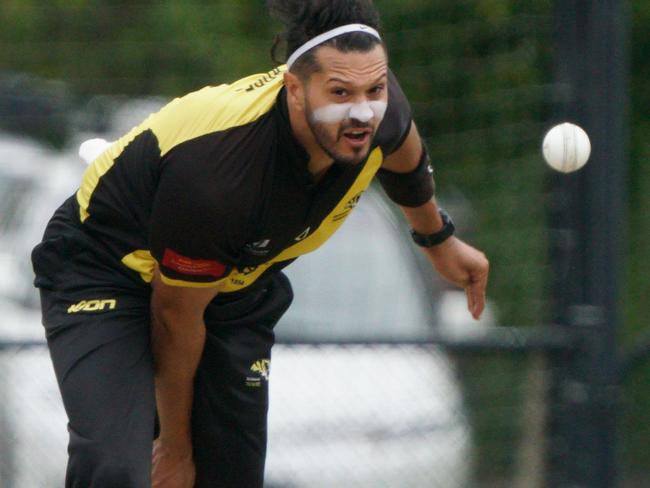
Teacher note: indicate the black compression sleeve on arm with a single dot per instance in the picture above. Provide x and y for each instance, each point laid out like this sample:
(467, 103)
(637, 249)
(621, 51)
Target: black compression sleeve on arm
(409, 189)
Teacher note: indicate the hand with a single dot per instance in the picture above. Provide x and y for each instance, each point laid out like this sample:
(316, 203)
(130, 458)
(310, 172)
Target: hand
(465, 267)
(172, 467)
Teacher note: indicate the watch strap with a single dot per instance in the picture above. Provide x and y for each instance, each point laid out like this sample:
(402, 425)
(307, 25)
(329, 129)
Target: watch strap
(430, 240)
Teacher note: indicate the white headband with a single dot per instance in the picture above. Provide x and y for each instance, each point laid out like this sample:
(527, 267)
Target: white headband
(326, 36)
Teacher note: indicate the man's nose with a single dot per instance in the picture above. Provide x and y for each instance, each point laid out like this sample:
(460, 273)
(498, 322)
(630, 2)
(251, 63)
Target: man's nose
(362, 112)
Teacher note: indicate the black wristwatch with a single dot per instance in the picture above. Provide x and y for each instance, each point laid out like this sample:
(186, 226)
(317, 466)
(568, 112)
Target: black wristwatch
(436, 238)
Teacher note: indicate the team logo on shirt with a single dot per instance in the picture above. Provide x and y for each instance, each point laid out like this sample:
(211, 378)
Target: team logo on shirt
(349, 206)
(259, 248)
(259, 371)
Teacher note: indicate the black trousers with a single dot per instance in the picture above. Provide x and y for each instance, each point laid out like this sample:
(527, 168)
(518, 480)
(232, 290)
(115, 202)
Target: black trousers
(99, 341)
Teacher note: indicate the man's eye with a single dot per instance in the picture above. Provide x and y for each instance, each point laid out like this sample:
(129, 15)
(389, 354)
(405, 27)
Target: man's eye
(377, 89)
(340, 92)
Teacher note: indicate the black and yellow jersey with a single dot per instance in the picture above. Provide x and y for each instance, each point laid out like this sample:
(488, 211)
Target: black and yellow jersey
(215, 189)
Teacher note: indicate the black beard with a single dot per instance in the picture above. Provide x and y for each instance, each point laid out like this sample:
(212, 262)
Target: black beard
(323, 139)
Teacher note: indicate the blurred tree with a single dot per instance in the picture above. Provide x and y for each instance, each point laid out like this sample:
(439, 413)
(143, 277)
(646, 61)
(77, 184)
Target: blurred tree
(135, 48)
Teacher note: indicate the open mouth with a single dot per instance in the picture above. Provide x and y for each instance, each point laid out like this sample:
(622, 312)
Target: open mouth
(357, 136)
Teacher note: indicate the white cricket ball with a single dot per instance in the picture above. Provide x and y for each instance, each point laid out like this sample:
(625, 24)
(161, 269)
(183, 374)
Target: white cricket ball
(566, 147)
(92, 148)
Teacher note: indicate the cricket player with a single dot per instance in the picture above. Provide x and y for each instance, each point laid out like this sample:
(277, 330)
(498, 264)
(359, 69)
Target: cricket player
(161, 277)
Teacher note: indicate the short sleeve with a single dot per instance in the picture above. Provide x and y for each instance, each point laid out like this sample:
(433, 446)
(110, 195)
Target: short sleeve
(397, 121)
(192, 226)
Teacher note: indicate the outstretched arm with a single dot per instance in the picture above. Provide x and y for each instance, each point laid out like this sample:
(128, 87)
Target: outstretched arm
(456, 261)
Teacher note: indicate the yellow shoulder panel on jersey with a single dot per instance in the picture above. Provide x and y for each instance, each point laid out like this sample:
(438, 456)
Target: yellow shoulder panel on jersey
(211, 109)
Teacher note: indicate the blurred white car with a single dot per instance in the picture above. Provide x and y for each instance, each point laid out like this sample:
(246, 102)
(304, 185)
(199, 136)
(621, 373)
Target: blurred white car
(34, 181)
(33, 436)
(343, 414)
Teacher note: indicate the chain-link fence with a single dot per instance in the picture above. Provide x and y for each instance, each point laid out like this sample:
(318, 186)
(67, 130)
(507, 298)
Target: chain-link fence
(484, 410)
(33, 436)
(356, 415)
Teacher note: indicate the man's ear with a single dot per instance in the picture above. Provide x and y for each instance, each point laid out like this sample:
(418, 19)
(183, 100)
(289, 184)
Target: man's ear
(295, 90)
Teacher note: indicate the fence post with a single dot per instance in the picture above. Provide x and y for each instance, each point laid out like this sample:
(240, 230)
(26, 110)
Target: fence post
(587, 216)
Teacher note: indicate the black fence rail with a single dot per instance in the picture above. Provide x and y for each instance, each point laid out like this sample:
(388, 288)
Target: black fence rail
(494, 408)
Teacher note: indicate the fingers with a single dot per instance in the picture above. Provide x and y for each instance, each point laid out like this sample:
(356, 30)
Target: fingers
(464, 266)
(475, 302)
(470, 299)
(476, 296)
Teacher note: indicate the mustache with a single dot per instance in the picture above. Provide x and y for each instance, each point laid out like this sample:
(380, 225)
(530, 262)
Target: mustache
(355, 124)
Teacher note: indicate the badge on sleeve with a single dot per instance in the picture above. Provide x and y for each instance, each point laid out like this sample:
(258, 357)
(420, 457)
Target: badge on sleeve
(193, 267)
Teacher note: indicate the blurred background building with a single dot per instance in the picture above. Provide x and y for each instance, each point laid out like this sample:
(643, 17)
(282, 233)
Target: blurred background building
(486, 79)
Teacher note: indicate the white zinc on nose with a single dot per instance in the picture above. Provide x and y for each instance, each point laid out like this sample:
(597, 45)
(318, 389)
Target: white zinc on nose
(363, 112)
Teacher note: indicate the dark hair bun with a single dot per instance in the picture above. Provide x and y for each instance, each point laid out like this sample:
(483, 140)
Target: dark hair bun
(305, 19)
